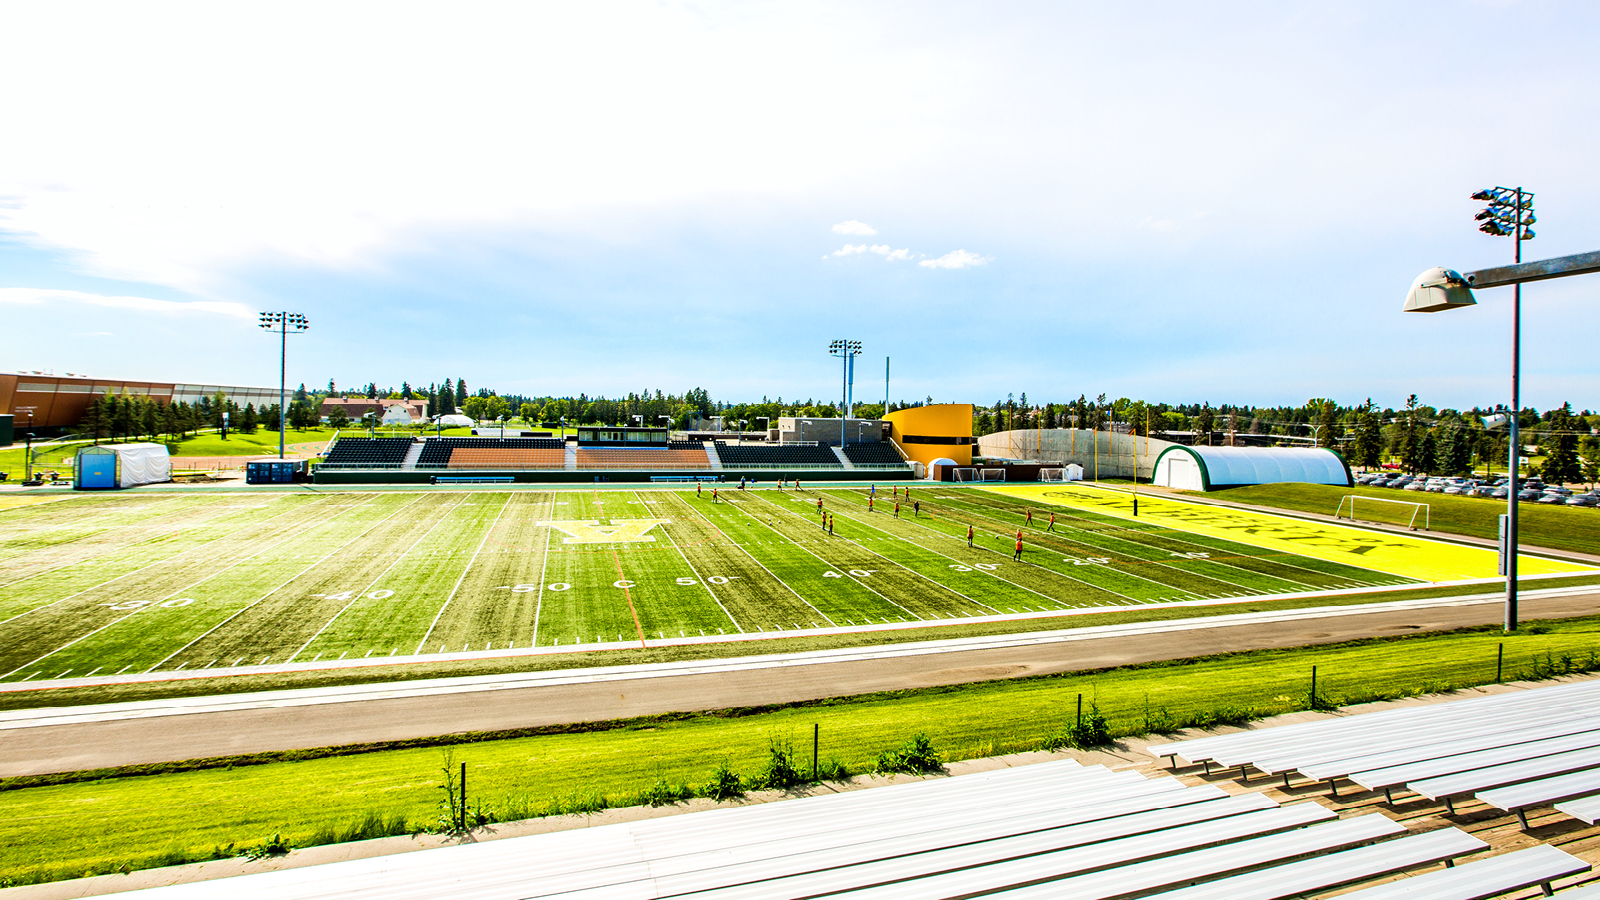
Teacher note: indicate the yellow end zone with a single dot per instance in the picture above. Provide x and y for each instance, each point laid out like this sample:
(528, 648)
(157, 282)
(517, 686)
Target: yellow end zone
(1403, 555)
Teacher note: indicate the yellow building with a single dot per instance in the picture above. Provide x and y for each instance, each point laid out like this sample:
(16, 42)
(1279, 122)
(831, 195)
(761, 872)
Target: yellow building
(939, 431)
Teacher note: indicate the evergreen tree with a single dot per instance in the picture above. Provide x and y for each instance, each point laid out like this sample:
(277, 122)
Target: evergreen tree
(1050, 415)
(300, 393)
(1328, 424)
(461, 392)
(1204, 420)
(1368, 449)
(405, 390)
(1428, 453)
(372, 391)
(1560, 448)
(249, 421)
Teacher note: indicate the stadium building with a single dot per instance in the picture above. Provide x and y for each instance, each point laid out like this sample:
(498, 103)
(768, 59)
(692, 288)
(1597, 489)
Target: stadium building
(51, 403)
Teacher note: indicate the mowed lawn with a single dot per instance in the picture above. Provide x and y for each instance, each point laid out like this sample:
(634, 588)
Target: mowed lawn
(102, 585)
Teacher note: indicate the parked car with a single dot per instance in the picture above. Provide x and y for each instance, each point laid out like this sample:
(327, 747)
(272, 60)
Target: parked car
(1528, 495)
(1589, 500)
(1551, 499)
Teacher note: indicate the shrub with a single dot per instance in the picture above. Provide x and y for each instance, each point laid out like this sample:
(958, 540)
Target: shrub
(1089, 731)
(725, 783)
(663, 794)
(916, 755)
(780, 771)
(834, 769)
(275, 847)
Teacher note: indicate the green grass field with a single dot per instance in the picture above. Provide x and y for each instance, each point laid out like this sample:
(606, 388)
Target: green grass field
(106, 823)
(140, 582)
(1556, 527)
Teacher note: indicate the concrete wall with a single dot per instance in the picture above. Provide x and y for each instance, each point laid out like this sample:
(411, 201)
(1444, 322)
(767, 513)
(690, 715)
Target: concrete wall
(1103, 454)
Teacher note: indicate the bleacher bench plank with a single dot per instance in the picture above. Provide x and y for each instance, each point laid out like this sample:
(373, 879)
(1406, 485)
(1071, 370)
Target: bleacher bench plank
(1481, 878)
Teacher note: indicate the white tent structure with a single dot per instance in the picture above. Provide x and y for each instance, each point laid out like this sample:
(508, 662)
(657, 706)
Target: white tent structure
(1208, 468)
(455, 420)
(1074, 472)
(122, 465)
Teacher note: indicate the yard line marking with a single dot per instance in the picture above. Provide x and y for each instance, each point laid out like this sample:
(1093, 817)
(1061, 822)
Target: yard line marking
(291, 579)
(379, 577)
(703, 583)
(831, 565)
(544, 566)
(1121, 570)
(464, 572)
(758, 562)
(984, 571)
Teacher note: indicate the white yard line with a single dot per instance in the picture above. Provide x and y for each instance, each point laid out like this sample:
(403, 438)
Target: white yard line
(753, 559)
(465, 569)
(291, 579)
(831, 565)
(958, 562)
(701, 579)
(379, 577)
(544, 567)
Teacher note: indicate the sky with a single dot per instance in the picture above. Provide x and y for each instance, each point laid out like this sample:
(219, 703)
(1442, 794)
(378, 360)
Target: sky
(1175, 202)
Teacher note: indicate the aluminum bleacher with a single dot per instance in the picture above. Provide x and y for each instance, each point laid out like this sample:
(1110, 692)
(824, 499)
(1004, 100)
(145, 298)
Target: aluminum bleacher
(873, 453)
(1513, 751)
(779, 456)
(1056, 829)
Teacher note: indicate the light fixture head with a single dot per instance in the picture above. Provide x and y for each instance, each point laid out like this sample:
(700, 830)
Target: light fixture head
(1439, 289)
(1483, 195)
(1527, 234)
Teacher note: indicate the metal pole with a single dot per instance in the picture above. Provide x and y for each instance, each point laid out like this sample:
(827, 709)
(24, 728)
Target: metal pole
(816, 732)
(886, 385)
(283, 364)
(1516, 435)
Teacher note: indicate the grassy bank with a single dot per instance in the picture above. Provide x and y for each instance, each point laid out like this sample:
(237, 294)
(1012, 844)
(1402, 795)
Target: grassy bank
(200, 687)
(1557, 527)
(125, 820)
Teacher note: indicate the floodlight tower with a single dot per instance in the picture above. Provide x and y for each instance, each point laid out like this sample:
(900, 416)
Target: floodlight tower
(1510, 214)
(847, 351)
(282, 322)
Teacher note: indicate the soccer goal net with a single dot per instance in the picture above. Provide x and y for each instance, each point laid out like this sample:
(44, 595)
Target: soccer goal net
(965, 475)
(1053, 474)
(991, 474)
(1382, 510)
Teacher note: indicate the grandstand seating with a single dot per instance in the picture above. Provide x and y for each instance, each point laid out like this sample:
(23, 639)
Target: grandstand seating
(642, 458)
(873, 453)
(507, 458)
(437, 452)
(357, 452)
(685, 445)
(781, 455)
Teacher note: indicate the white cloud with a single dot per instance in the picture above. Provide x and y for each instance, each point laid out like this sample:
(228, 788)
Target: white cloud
(854, 227)
(890, 254)
(956, 259)
(34, 296)
(848, 250)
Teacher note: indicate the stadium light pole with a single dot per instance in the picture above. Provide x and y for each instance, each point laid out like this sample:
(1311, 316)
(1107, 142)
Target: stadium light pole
(1509, 214)
(846, 351)
(282, 322)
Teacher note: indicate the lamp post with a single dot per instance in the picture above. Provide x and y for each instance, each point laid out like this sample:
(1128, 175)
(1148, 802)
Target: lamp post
(668, 425)
(1509, 214)
(846, 351)
(284, 323)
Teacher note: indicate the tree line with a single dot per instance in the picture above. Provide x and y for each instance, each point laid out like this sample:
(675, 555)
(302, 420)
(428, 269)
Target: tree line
(1420, 439)
(114, 417)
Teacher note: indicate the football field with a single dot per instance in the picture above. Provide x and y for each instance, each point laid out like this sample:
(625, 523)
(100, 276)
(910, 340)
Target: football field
(151, 582)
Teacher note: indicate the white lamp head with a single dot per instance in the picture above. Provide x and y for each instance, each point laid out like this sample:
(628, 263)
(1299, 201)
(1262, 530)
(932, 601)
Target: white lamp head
(1439, 289)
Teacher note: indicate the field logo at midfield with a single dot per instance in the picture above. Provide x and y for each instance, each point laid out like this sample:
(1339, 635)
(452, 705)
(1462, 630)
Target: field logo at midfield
(619, 531)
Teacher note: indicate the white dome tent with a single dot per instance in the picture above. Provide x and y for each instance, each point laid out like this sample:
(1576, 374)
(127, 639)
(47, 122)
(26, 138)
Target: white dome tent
(1209, 468)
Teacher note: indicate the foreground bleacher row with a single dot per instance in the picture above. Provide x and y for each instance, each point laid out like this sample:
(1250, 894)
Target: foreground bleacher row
(1055, 830)
(489, 453)
(1514, 751)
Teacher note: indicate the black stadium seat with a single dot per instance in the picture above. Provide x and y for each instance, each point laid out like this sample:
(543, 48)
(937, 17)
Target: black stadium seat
(356, 452)
(873, 453)
(781, 455)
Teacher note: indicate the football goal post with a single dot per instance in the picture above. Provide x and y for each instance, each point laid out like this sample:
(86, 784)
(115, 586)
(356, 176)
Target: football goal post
(965, 475)
(991, 474)
(1053, 475)
(1383, 510)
